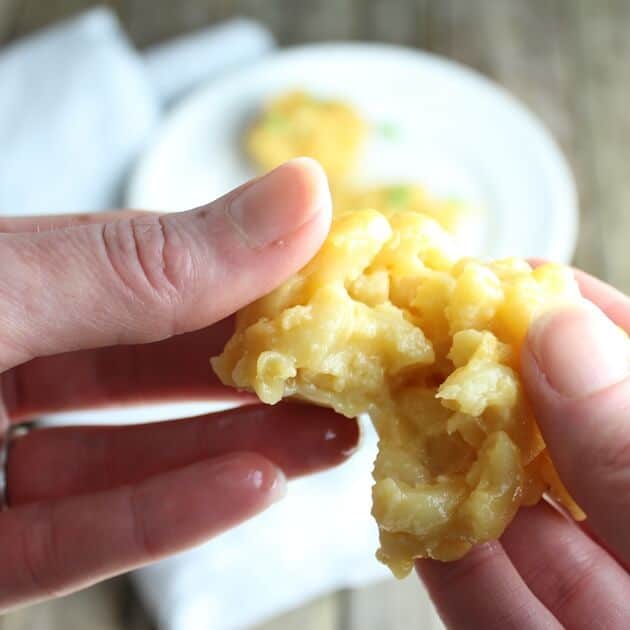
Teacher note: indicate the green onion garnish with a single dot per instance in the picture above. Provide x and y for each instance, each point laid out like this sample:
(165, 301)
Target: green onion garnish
(275, 122)
(398, 195)
(388, 130)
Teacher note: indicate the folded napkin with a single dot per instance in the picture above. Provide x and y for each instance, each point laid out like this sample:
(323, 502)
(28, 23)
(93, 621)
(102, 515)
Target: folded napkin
(75, 110)
(77, 106)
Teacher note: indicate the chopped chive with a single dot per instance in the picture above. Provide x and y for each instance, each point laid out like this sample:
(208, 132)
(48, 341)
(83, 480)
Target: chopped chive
(398, 195)
(275, 122)
(388, 130)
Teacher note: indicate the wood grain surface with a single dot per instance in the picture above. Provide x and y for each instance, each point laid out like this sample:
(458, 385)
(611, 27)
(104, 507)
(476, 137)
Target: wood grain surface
(568, 60)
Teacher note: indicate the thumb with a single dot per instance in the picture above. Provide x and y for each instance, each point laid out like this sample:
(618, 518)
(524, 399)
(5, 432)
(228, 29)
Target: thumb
(576, 367)
(145, 278)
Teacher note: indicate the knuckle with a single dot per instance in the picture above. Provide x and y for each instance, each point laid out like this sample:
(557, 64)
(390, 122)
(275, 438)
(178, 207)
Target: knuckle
(565, 581)
(16, 305)
(40, 553)
(600, 445)
(148, 255)
(574, 586)
(608, 459)
(615, 459)
(140, 538)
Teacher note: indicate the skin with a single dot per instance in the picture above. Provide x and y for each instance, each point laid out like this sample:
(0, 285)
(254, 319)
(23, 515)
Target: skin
(547, 571)
(124, 308)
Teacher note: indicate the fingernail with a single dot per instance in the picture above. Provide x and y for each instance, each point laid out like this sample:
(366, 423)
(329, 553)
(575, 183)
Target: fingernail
(276, 205)
(279, 487)
(237, 471)
(579, 350)
(267, 478)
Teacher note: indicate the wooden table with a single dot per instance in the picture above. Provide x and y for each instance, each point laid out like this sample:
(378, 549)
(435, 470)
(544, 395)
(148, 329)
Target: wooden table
(569, 60)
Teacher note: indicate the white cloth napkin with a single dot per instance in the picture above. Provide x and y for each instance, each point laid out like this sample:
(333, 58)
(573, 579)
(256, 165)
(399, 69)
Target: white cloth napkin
(77, 106)
(75, 109)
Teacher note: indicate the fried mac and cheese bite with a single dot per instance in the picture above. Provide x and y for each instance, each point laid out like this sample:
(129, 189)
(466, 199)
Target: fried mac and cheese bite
(298, 124)
(387, 320)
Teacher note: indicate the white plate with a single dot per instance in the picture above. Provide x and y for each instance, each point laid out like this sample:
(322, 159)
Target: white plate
(457, 133)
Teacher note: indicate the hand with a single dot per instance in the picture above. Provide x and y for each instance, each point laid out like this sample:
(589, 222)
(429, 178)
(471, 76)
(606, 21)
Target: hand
(547, 571)
(90, 502)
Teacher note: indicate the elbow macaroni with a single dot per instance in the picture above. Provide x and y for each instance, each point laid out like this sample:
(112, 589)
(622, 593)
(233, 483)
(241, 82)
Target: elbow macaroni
(386, 320)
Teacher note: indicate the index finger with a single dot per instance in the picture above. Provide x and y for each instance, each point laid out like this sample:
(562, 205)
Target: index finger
(170, 370)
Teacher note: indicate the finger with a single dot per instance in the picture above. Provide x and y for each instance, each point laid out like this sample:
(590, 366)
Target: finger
(612, 302)
(50, 548)
(298, 438)
(570, 574)
(146, 279)
(127, 374)
(483, 590)
(585, 526)
(169, 370)
(17, 225)
(575, 367)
